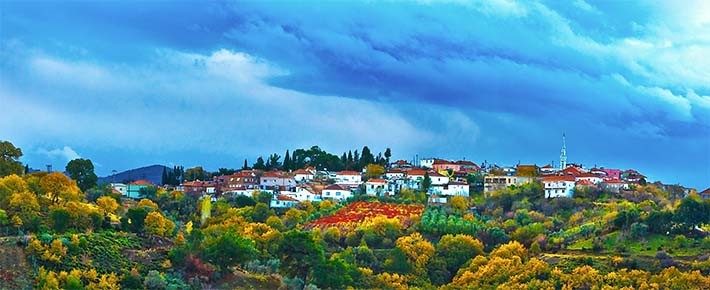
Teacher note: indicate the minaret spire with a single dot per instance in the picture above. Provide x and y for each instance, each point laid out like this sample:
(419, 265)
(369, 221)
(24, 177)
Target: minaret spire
(563, 153)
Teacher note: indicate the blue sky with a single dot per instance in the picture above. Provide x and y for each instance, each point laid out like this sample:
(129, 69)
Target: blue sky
(128, 84)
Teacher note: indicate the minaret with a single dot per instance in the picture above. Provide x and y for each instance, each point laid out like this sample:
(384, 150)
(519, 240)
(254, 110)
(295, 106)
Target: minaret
(563, 154)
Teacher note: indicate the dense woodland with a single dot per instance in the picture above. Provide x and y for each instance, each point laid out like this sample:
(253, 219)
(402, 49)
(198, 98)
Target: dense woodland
(72, 234)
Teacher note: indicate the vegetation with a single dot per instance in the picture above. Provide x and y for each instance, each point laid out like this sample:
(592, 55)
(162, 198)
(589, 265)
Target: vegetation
(514, 238)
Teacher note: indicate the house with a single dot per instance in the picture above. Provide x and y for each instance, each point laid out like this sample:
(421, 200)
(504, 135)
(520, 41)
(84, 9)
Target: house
(376, 187)
(303, 192)
(415, 178)
(593, 178)
(198, 187)
(303, 175)
(584, 183)
(453, 188)
(401, 164)
(336, 192)
(614, 185)
(120, 188)
(467, 166)
(394, 174)
(547, 169)
(242, 180)
(632, 176)
(496, 182)
(445, 165)
(427, 162)
(705, 194)
(611, 173)
(133, 189)
(558, 186)
(349, 178)
(277, 180)
(283, 201)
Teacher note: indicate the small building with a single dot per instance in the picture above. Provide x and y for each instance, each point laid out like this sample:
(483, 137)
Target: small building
(283, 201)
(376, 187)
(400, 164)
(120, 188)
(394, 174)
(632, 176)
(440, 164)
(705, 194)
(303, 175)
(133, 189)
(594, 179)
(348, 177)
(336, 192)
(558, 186)
(453, 188)
(303, 192)
(614, 185)
(242, 180)
(277, 180)
(547, 169)
(497, 182)
(427, 162)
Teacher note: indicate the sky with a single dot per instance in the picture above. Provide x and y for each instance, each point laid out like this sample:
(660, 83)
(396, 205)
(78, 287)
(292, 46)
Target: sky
(129, 84)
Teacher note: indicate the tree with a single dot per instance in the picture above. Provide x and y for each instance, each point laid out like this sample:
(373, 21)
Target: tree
(245, 166)
(273, 162)
(154, 281)
(107, 204)
(157, 224)
(261, 212)
(136, 217)
(691, 213)
(299, 254)
(456, 250)
(365, 158)
(388, 154)
(374, 170)
(229, 249)
(59, 187)
(82, 170)
(10, 185)
(426, 183)
(10, 159)
(195, 173)
(60, 219)
(459, 203)
(23, 207)
(259, 164)
(417, 249)
(287, 162)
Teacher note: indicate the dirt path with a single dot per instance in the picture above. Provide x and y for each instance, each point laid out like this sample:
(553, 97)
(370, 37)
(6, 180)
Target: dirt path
(15, 272)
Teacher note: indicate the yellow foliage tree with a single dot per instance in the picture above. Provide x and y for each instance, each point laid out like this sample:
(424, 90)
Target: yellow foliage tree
(374, 170)
(459, 203)
(157, 224)
(23, 205)
(107, 204)
(509, 250)
(417, 249)
(58, 187)
(10, 185)
(148, 203)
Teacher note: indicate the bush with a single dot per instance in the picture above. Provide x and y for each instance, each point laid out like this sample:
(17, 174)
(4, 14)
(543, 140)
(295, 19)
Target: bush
(155, 281)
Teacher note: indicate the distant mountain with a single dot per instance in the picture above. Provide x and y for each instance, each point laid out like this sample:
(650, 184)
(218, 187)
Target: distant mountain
(153, 173)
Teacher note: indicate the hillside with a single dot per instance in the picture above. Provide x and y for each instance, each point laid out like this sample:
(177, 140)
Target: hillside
(152, 173)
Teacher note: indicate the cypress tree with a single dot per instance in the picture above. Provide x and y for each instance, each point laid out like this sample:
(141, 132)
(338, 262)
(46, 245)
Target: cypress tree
(245, 167)
(287, 162)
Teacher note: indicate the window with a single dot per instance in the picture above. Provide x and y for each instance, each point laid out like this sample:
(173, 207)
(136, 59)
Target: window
(337, 193)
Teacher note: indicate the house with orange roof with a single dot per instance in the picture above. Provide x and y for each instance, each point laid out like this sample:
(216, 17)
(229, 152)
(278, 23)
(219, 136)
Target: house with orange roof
(348, 178)
(375, 187)
(497, 182)
(283, 201)
(303, 175)
(558, 186)
(547, 169)
(277, 180)
(705, 194)
(336, 192)
(133, 188)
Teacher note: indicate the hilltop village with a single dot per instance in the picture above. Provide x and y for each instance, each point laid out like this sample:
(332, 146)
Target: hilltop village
(313, 220)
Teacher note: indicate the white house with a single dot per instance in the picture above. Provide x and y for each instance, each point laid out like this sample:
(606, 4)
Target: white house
(350, 178)
(614, 185)
(376, 187)
(120, 187)
(336, 192)
(303, 175)
(427, 162)
(588, 177)
(394, 174)
(454, 189)
(558, 186)
(283, 201)
(303, 193)
(277, 179)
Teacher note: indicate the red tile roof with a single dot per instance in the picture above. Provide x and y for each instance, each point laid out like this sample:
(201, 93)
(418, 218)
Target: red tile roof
(335, 187)
(585, 182)
(348, 172)
(302, 171)
(617, 181)
(376, 180)
(558, 178)
(285, 198)
(142, 182)
(707, 191)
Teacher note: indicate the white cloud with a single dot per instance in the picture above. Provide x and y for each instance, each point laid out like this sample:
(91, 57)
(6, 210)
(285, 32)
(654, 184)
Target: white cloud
(65, 153)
